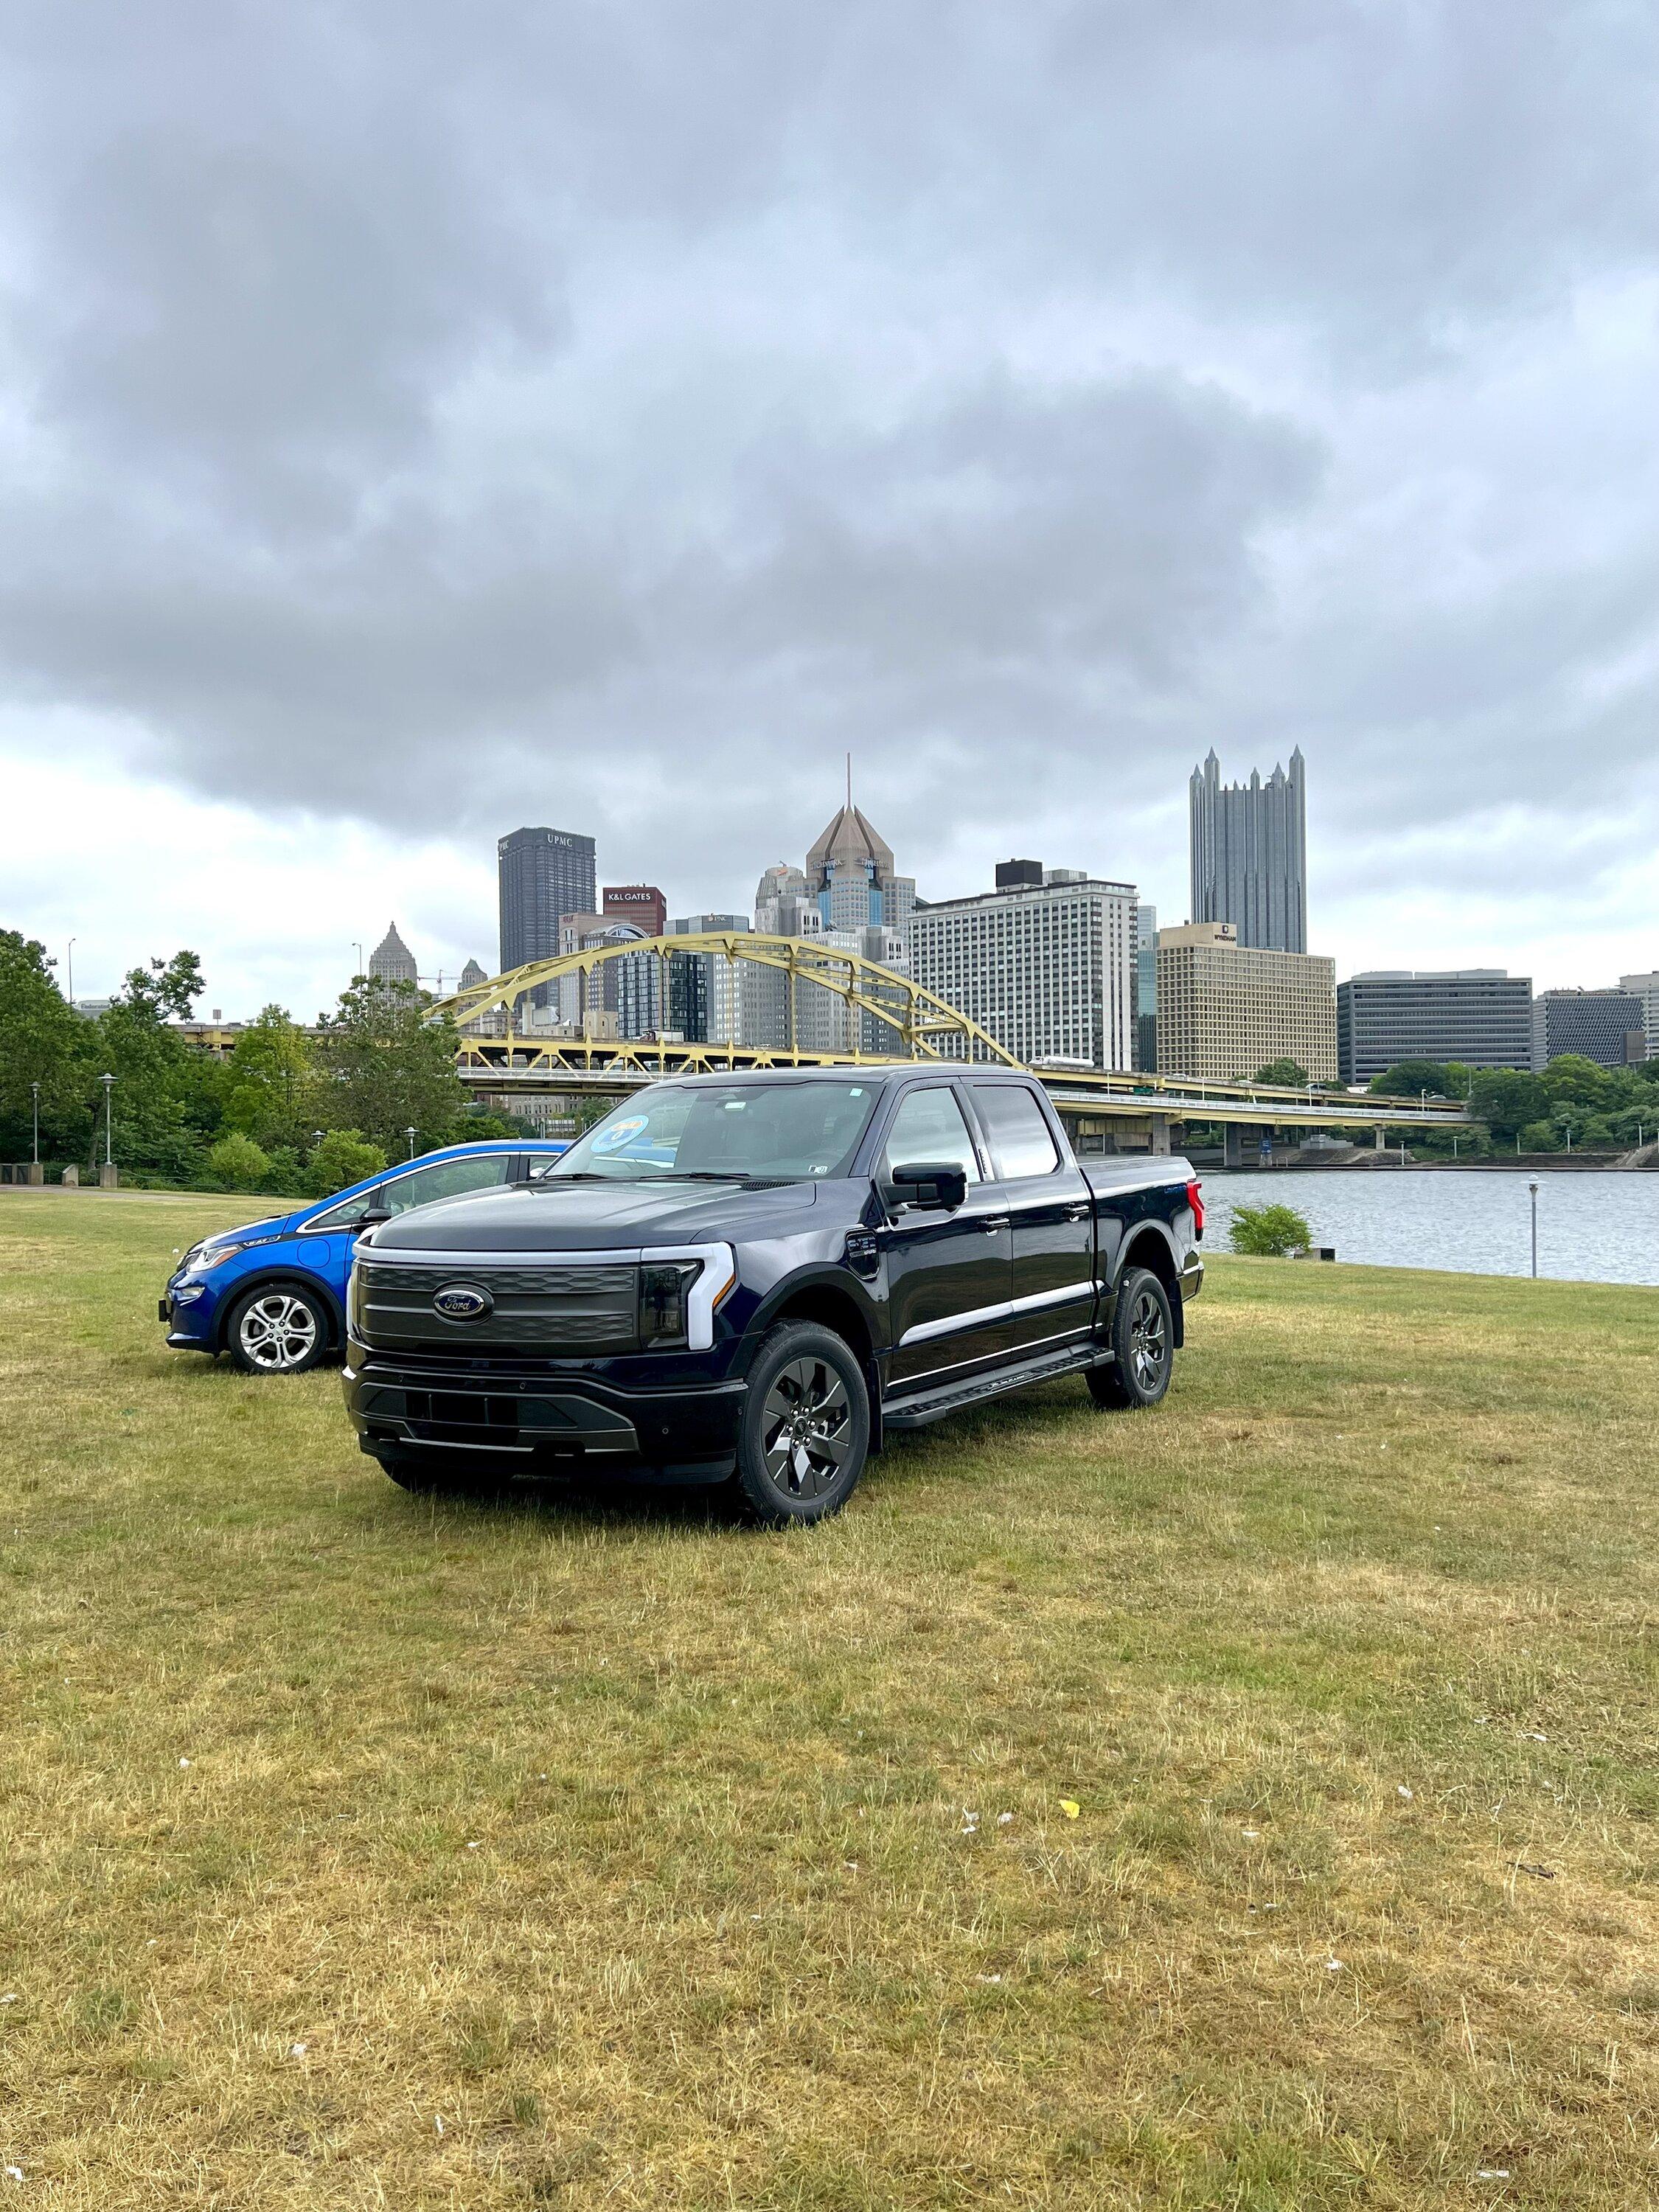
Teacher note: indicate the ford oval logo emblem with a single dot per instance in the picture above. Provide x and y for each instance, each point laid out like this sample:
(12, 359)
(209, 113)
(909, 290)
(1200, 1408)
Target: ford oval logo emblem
(462, 1302)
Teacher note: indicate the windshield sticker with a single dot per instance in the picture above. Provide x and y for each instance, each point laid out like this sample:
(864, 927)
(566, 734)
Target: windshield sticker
(616, 1135)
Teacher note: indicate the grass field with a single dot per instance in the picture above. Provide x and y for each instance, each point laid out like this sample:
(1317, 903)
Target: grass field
(361, 1854)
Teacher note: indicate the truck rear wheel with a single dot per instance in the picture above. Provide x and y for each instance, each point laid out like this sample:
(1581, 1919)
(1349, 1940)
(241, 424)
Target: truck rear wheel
(1143, 1339)
(806, 1429)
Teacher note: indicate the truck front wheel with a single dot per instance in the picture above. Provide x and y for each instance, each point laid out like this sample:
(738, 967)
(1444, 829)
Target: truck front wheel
(1143, 1340)
(805, 1430)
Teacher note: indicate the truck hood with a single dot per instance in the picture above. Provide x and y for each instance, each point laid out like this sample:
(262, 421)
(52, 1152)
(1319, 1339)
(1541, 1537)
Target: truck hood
(563, 1215)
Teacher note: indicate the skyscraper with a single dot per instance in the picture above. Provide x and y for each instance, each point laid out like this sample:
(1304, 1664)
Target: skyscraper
(1146, 988)
(391, 961)
(641, 902)
(1250, 854)
(1046, 966)
(849, 871)
(544, 874)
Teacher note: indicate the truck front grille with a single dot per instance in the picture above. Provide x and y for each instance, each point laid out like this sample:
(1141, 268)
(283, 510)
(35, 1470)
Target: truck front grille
(572, 1311)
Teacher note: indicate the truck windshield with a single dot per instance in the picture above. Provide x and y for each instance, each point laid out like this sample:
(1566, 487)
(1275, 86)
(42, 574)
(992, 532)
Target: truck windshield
(748, 1131)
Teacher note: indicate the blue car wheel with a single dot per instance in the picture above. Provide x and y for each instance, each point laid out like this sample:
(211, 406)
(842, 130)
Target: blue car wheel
(277, 1329)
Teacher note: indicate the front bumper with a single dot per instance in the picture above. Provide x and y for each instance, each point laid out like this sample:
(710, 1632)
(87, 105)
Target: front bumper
(189, 1322)
(553, 1422)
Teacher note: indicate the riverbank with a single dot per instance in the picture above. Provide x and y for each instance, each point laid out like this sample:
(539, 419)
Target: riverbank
(1251, 1804)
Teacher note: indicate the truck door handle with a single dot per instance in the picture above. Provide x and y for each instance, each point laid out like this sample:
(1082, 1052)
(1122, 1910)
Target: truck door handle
(1078, 1213)
(993, 1223)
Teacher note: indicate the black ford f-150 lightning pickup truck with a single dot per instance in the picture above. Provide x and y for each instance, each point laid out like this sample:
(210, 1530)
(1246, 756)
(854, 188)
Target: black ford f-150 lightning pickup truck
(752, 1278)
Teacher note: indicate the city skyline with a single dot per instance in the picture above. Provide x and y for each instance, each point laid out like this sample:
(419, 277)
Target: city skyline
(445, 900)
(629, 473)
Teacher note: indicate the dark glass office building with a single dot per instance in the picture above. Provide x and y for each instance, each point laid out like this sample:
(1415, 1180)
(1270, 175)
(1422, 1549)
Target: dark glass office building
(1250, 854)
(544, 874)
(1608, 1027)
(1481, 1016)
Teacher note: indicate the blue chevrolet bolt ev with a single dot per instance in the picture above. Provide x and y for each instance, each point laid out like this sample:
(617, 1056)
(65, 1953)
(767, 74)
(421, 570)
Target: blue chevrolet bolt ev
(273, 1293)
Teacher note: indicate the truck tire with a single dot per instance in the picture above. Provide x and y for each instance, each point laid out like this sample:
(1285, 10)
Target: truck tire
(277, 1329)
(805, 1430)
(1143, 1339)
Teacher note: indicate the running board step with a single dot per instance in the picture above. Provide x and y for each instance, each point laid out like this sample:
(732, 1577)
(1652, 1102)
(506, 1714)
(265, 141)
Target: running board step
(953, 1397)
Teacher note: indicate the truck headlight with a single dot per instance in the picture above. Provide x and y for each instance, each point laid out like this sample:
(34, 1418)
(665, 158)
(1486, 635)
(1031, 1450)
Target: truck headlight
(664, 1288)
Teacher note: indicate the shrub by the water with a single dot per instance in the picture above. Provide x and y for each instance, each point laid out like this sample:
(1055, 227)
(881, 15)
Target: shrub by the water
(1270, 1232)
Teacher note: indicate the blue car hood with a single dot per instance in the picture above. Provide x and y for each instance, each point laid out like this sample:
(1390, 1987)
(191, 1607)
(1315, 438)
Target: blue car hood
(250, 1230)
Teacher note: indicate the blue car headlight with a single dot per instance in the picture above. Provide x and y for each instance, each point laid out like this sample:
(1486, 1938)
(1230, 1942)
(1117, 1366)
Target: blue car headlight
(215, 1256)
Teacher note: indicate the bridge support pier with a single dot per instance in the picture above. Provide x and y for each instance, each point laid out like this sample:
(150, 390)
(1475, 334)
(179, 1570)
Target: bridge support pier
(1241, 1143)
(1161, 1134)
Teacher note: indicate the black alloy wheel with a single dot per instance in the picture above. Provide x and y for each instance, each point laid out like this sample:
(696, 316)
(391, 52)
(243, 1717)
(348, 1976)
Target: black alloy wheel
(277, 1329)
(1143, 1340)
(805, 1430)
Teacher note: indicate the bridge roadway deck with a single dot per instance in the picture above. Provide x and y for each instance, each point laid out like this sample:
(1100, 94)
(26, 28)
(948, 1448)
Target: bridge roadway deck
(529, 1067)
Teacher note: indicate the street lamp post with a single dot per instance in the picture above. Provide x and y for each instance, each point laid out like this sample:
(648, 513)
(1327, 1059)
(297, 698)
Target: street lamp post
(109, 1082)
(71, 971)
(1533, 1187)
(35, 1088)
(409, 1133)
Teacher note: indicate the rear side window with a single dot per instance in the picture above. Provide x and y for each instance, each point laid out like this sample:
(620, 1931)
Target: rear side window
(1021, 1142)
(928, 1129)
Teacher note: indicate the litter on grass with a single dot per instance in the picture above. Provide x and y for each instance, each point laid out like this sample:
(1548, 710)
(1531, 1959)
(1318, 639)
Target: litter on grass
(1070, 1807)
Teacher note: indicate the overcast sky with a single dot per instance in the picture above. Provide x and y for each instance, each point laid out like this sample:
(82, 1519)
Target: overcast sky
(418, 421)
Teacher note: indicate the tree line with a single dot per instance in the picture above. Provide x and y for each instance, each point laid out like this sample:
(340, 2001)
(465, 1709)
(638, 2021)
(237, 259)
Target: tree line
(294, 1112)
(1573, 1104)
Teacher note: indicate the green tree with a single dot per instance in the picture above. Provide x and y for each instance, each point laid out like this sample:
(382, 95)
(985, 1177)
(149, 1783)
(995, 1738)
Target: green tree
(42, 1040)
(1269, 1233)
(389, 1067)
(1570, 1079)
(166, 1102)
(1288, 1072)
(273, 1087)
(1506, 1099)
(236, 1162)
(343, 1157)
(1408, 1079)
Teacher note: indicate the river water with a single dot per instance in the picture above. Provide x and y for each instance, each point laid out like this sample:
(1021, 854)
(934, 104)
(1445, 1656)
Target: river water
(1593, 1226)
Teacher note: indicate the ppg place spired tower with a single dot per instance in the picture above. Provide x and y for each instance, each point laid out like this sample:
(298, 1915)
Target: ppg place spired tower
(1250, 854)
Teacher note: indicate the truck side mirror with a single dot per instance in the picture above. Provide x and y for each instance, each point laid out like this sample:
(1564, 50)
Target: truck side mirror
(936, 1186)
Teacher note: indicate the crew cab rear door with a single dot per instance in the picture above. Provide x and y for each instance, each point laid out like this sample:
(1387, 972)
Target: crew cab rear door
(1050, 1211)
(949, 1273)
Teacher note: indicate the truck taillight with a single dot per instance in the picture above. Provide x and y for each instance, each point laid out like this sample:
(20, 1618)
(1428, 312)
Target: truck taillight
(1195, 1199)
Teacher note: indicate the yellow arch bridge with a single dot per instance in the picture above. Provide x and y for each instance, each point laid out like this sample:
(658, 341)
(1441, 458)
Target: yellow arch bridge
(822, 987)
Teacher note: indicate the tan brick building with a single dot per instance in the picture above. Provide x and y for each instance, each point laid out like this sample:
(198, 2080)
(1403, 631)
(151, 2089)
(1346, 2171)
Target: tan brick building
(1225, 1009)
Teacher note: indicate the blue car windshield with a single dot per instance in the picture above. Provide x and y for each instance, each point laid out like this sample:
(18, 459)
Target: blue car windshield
(749, 1130)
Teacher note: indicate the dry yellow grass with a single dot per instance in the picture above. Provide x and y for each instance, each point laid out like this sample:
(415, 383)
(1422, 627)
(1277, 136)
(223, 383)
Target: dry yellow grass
(600, 1853)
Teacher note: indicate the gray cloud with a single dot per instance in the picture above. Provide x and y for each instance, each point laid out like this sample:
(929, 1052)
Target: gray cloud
(444, 418)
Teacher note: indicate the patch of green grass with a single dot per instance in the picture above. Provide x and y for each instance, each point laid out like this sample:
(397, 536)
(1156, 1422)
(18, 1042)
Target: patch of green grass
(634, 1848)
